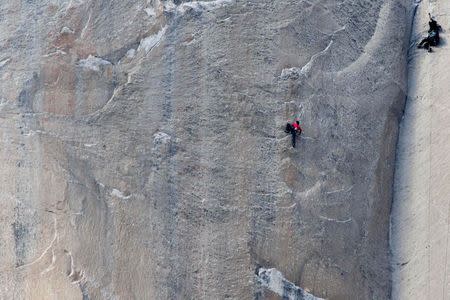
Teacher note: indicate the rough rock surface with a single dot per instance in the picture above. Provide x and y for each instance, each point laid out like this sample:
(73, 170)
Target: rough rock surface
(421, 209)
(143, 153)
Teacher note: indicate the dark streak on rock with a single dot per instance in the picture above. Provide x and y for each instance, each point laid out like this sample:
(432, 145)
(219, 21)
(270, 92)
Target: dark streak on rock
(84, 292)
(20, 234)
(26, 96)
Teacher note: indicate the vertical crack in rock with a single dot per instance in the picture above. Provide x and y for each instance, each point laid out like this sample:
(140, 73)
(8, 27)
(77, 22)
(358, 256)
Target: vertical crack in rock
(273, 280)
(420, 214)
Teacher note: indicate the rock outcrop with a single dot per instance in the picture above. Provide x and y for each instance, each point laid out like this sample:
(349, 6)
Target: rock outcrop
(143, 153)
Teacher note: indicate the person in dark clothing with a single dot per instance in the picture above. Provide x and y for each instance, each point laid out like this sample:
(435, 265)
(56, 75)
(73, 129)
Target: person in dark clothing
(433, 35)
(434, 26)
(431, 40)
(294, 129)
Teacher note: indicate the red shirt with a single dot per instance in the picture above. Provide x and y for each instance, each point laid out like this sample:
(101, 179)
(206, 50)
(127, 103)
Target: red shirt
(296, 126)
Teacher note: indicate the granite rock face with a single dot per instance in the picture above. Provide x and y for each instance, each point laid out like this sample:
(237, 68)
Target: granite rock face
(143, 153)
(420, 215)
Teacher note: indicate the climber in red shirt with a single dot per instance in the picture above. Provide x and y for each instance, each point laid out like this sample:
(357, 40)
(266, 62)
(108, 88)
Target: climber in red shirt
(293, 129)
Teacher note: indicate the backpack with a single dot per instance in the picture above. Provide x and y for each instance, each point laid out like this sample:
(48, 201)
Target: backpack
(288, 128)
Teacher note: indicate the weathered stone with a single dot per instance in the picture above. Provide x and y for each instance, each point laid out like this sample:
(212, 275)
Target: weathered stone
(143, 152)
(420, 212)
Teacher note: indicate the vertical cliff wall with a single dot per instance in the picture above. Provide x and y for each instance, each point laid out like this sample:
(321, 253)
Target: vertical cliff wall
(143, 153)
(420, 214)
